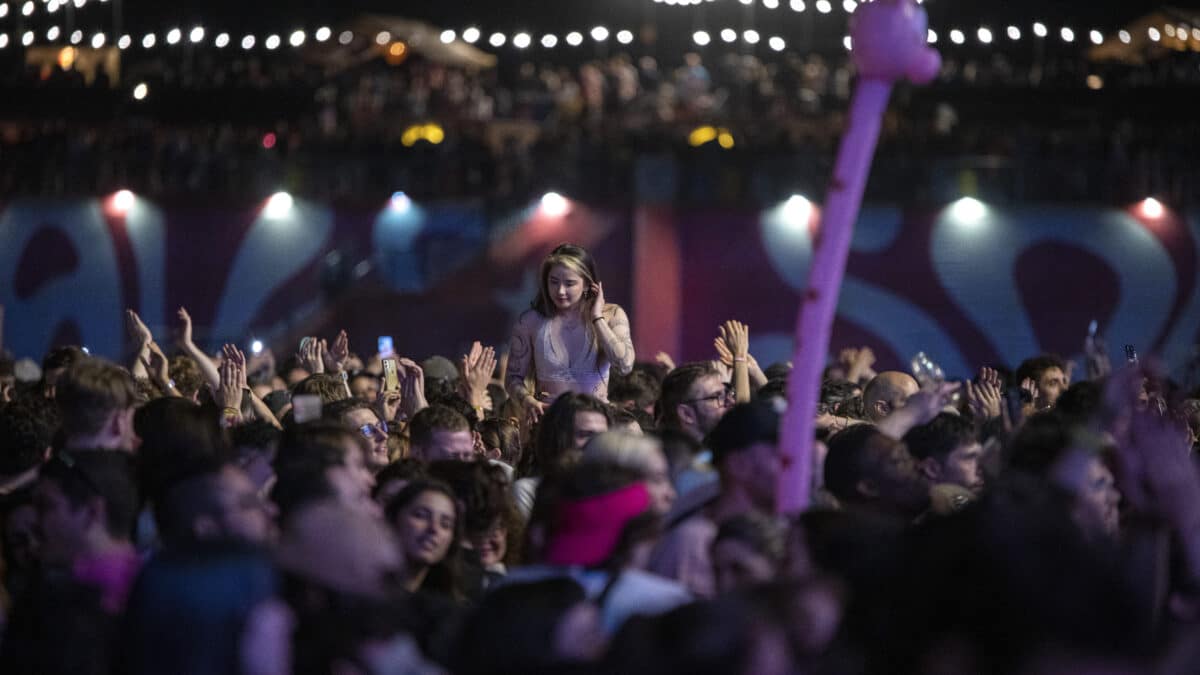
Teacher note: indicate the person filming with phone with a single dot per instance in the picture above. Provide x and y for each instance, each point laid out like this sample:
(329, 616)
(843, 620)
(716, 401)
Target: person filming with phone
(571, 338)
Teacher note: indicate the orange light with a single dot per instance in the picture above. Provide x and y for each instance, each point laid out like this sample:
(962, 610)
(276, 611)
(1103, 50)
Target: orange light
(397, 49)
(66, 57)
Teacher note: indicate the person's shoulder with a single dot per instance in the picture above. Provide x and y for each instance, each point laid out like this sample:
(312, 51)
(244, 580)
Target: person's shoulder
(615, 311)
(530, 318)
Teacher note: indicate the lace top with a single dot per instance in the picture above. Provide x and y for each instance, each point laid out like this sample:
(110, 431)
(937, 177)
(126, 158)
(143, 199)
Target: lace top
(563, 367)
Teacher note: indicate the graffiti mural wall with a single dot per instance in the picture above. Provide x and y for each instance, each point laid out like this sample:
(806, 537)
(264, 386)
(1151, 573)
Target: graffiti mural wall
(967, 283)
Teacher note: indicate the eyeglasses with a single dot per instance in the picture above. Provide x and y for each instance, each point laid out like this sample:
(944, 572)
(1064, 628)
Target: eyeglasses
(726, 394)
(368, 430)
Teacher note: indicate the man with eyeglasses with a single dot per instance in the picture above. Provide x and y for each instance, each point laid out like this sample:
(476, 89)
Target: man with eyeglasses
(694, 399)
(362, 419)
(213, 500)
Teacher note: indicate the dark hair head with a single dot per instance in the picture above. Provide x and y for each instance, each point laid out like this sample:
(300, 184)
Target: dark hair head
(192, 493)
(62, 357)
(480, 487)
(432, 419)
(188, 610)
(504, 434)
(90, 392)
(763, 534)
(337, 410)
(27, 427)
(455, 401)
(1080, 402)
(839, 397)
(677, 388)
(107, 474)
(1040, 443)
(940, 437)
(257, 434)
(329, 387)
(507, 631)
(175, 432)
(405, 470)
(639, 388)
(445, 576)
(1033, 368)
(187, 376)
(862, 452)
(556, 432)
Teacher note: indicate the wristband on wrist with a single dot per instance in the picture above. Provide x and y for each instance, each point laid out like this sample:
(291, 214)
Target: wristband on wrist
(599, 318)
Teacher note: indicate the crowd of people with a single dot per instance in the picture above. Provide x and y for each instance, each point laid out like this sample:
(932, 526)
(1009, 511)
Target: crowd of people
(564, 505)
(510, 130)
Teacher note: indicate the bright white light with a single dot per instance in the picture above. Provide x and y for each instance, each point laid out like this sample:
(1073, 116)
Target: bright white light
(448, 36)
(51, 7)
(272, 41)
(123, 201)
(931, 36)
(140, 91)
(4, 10)
(957, 37)
(747, 2)
(625, 37)
(248, 42)
(383, 38)
(497, 40)
(1068, 35)
(27, 38)
(196, 35)
(3, 40)
(52, 34)
(522, 40)
(555, 205)
(796, 213)
(824, 7)
(222, 41)
(1039, 29)
(399, 202)
(778, 44)
(27, 8)
(849, 6)
(323, 33)
(345, 37)
(771, 4)
(174, 36)
(124, 42)
(80, 3)
(968, 211)
(1097, 37)
(1169, 30)
(148, 41)
(1154, 34)
(1014, 33)
(729, 35)
(256, 347)
(599, 33)
(98, 40)
(796, 5)
(847, 43)
(984, 35)
(471, 35)
(548, 41)
(750, 36)
(701, 38)
(278, 206)
(1152, 208)
(76, 37)
(1196, 33)
(1125, 37)
(296, 38)
(574, 39)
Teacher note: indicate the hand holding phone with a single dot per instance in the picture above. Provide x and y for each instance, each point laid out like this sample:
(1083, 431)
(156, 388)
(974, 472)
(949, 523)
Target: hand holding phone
(391, 377)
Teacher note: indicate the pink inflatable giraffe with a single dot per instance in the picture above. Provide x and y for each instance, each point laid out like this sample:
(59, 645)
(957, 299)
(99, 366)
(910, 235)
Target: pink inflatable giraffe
(889, 44)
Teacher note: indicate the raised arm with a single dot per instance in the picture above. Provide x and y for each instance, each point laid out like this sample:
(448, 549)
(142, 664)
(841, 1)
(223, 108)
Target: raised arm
(188, 346)
(612, 329)
(520, 364)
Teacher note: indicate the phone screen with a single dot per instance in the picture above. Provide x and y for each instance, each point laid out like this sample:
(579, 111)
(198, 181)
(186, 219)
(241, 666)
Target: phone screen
(391, 379)
(386, 346)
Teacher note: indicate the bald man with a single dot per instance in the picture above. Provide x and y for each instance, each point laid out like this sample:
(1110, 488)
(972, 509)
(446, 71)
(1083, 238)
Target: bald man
(888, 391)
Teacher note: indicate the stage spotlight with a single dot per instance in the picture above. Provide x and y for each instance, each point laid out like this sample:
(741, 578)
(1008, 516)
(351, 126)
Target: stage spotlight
(968, 211)
(1152, 208)
(122, 201)
(399, 202)
(278, 206)
(555, 205)
(796, 212)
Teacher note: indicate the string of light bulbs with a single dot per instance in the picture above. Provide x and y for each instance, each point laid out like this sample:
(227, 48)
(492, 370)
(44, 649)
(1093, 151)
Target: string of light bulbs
(198, 35)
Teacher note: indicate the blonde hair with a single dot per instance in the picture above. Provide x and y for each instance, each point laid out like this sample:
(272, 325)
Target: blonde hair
(578, 260)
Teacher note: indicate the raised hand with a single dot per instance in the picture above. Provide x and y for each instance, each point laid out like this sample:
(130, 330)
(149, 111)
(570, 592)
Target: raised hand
(986, 398)
(736, 336)
(388, 404)
(597, 300)
(310, 355)
(477, 367)
(664, 359)
(185, 327)
(412, 387)
(137, 329)
(920, 409)
(158, 369)
(233, 379)
(334, 357)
